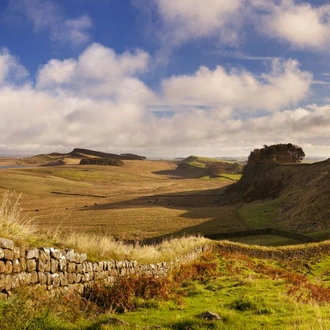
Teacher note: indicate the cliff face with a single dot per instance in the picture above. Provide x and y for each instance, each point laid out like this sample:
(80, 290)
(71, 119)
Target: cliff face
(262, 181)
(304, 191)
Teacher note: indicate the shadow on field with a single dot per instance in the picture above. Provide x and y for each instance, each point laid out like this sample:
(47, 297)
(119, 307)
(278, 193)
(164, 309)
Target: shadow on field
(190, 199)
(202, 206)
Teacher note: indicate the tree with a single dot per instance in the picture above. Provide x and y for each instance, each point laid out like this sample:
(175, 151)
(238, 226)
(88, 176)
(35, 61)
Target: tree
(277, 153)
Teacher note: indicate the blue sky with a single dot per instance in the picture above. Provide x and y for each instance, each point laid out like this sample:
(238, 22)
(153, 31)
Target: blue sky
(164, 78)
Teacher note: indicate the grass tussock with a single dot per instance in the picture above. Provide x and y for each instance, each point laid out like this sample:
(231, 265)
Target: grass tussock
(12, 224)
(102, 247)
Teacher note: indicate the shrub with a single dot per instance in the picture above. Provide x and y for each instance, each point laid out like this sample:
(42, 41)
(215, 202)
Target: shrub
(200, 270)
(123, 295)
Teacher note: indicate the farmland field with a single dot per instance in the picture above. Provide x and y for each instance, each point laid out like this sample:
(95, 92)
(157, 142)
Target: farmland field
(142, 199)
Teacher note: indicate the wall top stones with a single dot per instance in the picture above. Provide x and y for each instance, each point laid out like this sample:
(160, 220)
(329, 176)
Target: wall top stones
(6, 244)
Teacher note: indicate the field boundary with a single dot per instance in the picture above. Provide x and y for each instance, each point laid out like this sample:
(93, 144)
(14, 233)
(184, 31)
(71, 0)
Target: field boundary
(64, 270)
(301, 251)
(264, 231)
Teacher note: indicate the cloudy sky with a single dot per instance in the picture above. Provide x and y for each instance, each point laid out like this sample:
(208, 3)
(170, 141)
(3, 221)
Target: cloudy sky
(164, 78)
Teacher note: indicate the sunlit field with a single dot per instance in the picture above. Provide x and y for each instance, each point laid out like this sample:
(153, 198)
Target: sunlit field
(142, 199)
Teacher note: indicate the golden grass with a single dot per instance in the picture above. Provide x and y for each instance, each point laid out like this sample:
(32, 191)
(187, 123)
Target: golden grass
(97, 247)
(102, 247)
(136, 201)
(12, 224)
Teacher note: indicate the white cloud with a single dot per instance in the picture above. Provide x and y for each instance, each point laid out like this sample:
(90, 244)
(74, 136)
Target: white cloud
(56, 72)
(302, 25)
(47, 15)
(75, 104)
(10, 68)
(98, 72)
(190, 19)
(73, 31)
(285, 84)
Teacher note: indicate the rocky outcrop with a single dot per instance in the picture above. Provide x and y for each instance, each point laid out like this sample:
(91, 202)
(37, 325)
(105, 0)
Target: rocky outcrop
(261, 181)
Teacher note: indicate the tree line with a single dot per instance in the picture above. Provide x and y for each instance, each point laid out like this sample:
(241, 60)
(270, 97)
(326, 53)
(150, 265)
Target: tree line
(101, 161)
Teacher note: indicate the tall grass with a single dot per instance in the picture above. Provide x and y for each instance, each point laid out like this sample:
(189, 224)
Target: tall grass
(97, 247)
(12, 224)
(106, 247)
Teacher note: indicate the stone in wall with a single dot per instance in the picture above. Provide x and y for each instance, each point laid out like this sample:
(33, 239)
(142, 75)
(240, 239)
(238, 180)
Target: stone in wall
(64, 269)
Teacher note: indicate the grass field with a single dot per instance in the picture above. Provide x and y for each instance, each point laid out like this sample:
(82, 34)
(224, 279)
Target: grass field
(147, 200)
(247, 293)
(142, 199)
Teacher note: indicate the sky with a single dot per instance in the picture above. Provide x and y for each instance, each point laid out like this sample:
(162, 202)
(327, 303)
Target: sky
(164, 78)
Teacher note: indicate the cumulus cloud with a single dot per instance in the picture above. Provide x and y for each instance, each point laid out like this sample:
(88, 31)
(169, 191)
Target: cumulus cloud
(10, 68)
(306, 127)
(47, 15)
(75, 103)
(190, 19)
(98, 72)
(302, 25)
(285, 84)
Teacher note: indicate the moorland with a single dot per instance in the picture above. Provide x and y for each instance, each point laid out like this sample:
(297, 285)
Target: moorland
(143, 199)
(142, 202)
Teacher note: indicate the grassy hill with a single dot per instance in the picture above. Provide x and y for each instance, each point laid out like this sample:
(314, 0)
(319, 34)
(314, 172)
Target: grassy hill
(203, 167)
(74, 157)
(249, 286)
(291, 196)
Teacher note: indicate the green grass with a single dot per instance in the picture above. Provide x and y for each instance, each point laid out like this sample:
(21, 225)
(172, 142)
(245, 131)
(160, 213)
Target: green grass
(234, 177)
(247, 293)
(260, 214)
(266, 240)
(321, 234)
(244, 298)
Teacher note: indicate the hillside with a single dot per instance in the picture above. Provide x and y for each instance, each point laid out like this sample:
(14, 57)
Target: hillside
(299, 191)
(197, 167)
(74, 157)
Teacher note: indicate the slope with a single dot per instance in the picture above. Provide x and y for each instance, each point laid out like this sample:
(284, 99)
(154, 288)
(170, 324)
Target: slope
(301, 193)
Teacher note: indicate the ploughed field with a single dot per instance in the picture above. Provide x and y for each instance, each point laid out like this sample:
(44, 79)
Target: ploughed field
(140, 200)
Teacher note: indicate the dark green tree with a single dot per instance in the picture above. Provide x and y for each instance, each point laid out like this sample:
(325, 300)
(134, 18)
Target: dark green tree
(277, 153)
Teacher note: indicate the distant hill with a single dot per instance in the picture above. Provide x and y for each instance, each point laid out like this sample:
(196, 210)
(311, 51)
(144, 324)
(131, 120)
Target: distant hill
(75, 156)
(196, 167)
(302, 192)
(83, 153)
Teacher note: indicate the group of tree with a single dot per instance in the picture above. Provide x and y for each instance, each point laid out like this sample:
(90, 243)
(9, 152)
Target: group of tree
(101, 161)
(277, 153)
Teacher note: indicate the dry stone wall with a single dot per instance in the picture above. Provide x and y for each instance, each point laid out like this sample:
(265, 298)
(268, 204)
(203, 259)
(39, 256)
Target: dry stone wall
(63, 269)
(302, 251)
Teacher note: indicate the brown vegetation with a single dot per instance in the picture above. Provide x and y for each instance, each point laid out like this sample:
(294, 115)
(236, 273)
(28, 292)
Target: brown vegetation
(124, 294)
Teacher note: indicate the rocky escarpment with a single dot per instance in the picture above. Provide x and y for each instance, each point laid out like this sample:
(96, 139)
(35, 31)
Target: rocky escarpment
(263, 181)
